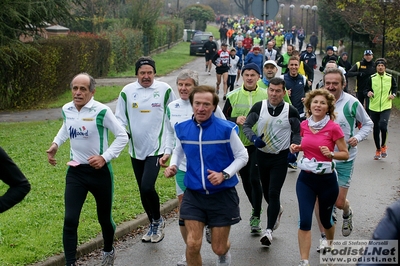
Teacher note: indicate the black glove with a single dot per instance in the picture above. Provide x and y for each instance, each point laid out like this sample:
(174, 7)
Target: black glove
(360, 74)
(258, 142)
(321, 69)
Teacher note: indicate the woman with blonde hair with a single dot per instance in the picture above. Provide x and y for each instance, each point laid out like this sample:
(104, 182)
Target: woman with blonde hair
(317, 178)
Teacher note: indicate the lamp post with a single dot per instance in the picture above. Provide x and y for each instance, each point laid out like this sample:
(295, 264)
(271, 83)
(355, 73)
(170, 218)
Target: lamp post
(384, 3)
(314, 10)
(307, 7)
(302, 12)
(282, 6)
(290, 16)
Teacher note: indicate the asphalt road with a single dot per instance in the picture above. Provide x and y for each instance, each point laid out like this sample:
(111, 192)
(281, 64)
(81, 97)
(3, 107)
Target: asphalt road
(375, 185)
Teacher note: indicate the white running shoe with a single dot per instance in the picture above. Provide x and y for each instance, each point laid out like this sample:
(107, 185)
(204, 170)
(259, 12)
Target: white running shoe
(182, 262)
(108, 258)
(304, 263)
(266, 239)
(323, 243)
(147, 236)
(347, 226)
(158, 231)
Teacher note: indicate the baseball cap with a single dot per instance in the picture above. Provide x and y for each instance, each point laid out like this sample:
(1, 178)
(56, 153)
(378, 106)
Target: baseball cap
(368, 52)
(270, 62)
(309, 45)
(224, 44)
(329, 48)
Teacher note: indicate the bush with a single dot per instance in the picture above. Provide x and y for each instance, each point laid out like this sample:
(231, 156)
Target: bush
(128, 45)
(126, 48)
(46, 69)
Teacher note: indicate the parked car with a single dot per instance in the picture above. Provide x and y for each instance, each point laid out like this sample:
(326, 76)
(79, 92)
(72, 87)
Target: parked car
(197, 42)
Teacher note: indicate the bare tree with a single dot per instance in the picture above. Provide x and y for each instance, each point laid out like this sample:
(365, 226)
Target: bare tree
(244, 5)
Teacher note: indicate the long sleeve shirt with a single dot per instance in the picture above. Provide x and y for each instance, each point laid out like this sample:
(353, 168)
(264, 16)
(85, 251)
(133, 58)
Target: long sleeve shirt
(18, 184)
(87, 130)
(348, 111)
(143, 112)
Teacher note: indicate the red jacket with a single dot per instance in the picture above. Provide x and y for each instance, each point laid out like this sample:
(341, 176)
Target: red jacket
(247, 43)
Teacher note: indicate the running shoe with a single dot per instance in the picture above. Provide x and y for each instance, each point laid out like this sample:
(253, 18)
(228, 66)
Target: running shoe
(224, 259)
(292, 165)
(255, 225)
(266, 239)
(384, 151)
(347, 226)
(209, 73)
(147, 236)
(378, 155)
(224, 97)
(323, 243)
(278, 219)
(158, 231)
(182, 262)
(208, 234)
(108, 258)
(304, 263)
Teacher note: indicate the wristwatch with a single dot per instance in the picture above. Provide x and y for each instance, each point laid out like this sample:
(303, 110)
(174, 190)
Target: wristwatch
(332, 154)
(226, 175)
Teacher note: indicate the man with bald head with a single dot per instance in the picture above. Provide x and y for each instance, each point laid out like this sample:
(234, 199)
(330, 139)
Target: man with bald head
(86, 123)
(270, 52)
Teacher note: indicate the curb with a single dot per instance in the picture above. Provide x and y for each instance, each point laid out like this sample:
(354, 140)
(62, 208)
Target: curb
(97, 242)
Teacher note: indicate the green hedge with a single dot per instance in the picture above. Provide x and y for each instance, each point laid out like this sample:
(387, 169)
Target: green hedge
(46, 69)
(164, 33)
(128, 45)
(126, 48)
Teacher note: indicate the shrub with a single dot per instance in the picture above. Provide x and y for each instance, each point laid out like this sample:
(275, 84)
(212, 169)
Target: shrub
(45, 70)
(126, 48)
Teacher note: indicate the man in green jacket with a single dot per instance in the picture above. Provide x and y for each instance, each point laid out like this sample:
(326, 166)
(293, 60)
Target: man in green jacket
(381, 89)
(236, 108)
(283, 61)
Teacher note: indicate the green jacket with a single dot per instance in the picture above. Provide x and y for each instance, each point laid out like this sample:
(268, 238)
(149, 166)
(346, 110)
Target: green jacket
(241, 102)
(382, 86)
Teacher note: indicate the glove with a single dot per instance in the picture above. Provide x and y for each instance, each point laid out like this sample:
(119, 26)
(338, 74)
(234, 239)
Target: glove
(321, 69)
(258, 142)
(360, 74)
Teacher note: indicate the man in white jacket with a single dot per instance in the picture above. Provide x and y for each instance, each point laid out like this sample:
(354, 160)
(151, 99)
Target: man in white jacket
(141, 108)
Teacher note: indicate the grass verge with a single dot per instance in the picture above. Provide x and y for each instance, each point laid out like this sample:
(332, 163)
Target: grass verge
(32, 230)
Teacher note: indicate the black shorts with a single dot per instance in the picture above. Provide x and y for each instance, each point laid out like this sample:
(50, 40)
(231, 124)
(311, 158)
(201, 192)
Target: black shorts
(215, 210)
(209, 56)
(221, 70)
